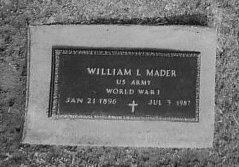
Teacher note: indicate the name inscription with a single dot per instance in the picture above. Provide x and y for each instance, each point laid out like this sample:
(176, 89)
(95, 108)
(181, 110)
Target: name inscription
(135, 84)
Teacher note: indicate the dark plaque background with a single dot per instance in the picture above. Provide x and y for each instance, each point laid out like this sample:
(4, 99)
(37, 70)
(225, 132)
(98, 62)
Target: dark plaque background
(74, 92)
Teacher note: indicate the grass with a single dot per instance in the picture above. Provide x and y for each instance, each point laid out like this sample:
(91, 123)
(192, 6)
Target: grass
(16, 15)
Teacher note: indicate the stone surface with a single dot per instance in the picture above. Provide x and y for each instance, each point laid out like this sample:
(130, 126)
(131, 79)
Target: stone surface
(41, 129)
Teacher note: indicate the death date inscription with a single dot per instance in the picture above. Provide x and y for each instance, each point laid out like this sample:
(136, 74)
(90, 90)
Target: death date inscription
(125, 84)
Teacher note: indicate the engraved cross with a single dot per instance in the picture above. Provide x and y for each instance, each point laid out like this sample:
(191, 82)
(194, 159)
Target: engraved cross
(133, 105)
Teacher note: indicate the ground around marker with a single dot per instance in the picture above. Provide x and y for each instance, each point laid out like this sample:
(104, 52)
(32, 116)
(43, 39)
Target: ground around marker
(15, 15)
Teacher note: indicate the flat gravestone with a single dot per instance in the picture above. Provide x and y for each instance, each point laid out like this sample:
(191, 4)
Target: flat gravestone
(138, 86)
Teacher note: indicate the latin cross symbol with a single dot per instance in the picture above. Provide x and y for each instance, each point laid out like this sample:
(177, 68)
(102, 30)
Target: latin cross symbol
(133, 105)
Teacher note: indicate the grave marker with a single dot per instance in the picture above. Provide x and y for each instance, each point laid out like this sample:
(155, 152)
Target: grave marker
(102, 82)
(107, 85)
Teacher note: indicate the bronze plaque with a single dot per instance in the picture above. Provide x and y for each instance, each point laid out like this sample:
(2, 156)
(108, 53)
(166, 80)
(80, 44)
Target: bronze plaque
(124, 83)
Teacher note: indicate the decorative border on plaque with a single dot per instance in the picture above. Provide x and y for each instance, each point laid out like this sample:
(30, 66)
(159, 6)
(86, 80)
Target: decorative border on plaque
(53, 111)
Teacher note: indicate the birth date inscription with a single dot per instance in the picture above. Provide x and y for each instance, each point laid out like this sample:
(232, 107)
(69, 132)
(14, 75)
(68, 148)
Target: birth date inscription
(125, 83)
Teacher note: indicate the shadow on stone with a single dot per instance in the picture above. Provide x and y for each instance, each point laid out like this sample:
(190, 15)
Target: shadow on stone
(184, 19)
